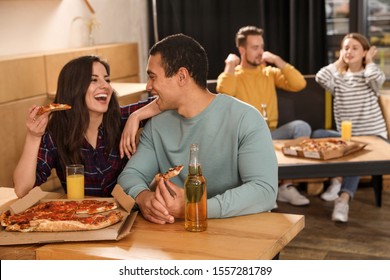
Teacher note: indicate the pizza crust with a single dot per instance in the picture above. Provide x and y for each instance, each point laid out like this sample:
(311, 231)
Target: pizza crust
(4, 218)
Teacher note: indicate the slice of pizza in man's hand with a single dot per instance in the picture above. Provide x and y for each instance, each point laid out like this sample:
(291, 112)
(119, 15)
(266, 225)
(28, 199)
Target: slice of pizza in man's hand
(172, 172)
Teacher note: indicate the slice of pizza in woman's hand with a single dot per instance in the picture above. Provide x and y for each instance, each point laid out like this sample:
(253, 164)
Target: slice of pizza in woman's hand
(52, 107)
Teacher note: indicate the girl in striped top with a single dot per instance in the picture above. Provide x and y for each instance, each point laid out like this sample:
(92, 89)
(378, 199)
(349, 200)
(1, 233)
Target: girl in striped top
(354, 81)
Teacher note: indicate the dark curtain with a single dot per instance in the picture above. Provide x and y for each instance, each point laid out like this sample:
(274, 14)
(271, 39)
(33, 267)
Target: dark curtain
(295, 29)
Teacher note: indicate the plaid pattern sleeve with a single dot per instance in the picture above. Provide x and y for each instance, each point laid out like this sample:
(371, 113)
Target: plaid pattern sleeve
(127, 110)
(47, 159)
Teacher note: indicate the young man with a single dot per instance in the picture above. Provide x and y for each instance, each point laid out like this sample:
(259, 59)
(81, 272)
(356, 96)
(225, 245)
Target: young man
(249, 79)
(236, 150)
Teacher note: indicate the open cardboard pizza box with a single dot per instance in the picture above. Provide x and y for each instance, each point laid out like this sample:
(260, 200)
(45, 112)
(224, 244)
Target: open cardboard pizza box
(290, 149)
(113, 232)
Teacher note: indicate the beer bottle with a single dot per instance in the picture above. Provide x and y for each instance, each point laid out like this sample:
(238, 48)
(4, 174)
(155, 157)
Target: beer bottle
(195, 192)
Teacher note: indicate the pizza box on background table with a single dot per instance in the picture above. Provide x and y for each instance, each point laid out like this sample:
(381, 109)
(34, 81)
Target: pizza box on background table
(289, 149)
(113, 232)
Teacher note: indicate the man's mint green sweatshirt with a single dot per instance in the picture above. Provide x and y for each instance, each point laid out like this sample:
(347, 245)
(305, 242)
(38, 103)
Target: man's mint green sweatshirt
(235, 149)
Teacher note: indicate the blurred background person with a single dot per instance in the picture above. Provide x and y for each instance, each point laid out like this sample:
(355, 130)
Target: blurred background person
(354, 81)
(253, 78)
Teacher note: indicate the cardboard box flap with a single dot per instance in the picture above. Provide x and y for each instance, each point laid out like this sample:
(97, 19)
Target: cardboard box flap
(35, 195)
(125, 230)
(354, 148)
(125, 200)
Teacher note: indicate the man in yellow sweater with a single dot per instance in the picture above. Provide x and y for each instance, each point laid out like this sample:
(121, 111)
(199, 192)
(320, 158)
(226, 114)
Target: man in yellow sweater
(249, 79)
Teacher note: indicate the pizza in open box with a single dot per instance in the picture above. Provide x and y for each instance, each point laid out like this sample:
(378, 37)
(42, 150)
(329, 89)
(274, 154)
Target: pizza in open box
(321, 148)
(318, 145)
(58, 216)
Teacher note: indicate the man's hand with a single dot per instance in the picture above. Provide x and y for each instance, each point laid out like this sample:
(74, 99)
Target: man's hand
(231, 62)
(270, 58)
(171, 197)
(151, 208)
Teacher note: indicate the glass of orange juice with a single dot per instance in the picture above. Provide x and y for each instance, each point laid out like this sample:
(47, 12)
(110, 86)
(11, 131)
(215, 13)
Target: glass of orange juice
(75, 181)
(346, 130)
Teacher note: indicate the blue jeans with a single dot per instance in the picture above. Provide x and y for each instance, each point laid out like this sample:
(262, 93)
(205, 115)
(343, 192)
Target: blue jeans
(350, 183)
(292, 130)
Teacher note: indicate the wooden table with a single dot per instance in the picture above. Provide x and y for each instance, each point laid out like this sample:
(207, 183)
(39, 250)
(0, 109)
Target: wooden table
(373, 160)
(258, 236)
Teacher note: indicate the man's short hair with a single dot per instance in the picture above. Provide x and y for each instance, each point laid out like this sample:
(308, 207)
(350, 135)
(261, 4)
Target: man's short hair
(180, 50)
(244, 32)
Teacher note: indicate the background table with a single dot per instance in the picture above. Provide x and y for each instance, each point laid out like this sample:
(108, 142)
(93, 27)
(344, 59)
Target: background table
(373, 160)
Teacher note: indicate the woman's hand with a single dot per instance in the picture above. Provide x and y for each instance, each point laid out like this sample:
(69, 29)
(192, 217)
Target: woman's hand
(25, 171)
(36, 125)
(127, 144)
(340, 63)
(371, 54)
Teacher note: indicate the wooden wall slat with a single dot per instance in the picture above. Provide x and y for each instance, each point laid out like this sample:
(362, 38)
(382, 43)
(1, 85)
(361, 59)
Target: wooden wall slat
(132, 79)
(55, 62)
(13, 133)
(123, 60)
(22, 78)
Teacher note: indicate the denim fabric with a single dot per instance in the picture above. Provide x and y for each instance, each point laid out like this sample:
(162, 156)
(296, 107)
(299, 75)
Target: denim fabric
(323, 133)
(350, 183)
(292, 130)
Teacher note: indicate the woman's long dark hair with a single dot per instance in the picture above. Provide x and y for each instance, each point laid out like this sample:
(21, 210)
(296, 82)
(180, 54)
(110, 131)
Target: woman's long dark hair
(67, 128)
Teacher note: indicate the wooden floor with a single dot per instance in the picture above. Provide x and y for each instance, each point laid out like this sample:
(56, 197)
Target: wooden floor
(366, 235)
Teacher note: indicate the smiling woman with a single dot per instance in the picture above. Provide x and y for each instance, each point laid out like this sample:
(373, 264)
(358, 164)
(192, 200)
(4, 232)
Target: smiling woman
(89, 133)
(99, 92)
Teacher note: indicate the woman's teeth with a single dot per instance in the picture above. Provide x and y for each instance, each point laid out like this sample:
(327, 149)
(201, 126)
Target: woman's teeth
(102, 97)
